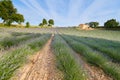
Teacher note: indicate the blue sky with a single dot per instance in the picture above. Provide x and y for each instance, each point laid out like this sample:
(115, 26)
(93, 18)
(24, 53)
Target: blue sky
(68, 12)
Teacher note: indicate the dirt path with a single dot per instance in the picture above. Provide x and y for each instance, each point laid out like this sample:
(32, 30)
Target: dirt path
(41, 66)
(94, 73)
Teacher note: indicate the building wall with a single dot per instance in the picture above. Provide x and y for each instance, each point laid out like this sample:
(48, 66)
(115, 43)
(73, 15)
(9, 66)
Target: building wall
(84, 26)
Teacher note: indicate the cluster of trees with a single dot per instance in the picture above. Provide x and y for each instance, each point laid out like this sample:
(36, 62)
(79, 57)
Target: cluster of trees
(93, 24)
(9, 14)
(50, 22)
(112, 23)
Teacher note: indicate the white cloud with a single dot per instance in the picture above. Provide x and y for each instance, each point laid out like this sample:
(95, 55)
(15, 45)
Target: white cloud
(74, 8)
(38, 8)
(70, 12)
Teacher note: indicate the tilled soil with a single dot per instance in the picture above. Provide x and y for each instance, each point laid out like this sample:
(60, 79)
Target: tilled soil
(94, 73)
(42, 66)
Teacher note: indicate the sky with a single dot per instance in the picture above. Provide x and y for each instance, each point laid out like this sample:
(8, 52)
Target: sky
(68, 12)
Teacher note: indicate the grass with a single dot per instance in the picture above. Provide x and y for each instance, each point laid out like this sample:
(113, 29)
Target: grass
(13, 60)
(103, 34)
(27, 30)
(94, 58)
(94, 46)
(19, 33)
(107, 47)
(65, 60)
(13, 41)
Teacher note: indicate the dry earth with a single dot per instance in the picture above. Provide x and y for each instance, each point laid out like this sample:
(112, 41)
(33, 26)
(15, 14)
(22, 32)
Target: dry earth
(42, 66)
(94, 73)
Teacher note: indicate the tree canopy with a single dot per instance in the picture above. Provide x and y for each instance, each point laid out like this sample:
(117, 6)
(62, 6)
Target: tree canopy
(27, 25)
(44, 22)
(18, 18)
(8, 13)
(111, 23)
(51, 22)
(93, 24)
(41, 24)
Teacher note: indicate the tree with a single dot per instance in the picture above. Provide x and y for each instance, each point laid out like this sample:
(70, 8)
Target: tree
(111, 23)
(41, 24)
(51, 22)
(93, 24)
(18, 18)
(8, 13)
(44, 22)
(27, 24)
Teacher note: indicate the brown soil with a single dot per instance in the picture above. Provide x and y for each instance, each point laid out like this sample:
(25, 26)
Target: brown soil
(41, 66)
(94, 73)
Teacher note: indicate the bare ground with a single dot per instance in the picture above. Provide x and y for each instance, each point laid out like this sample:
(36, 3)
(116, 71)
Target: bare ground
(94, 73)
(42, 66)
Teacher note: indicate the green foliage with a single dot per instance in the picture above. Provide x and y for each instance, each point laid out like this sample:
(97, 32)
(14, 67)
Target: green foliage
(10, 62)
(65, 60)
(13, 41)
(8, 13)
(44, 22)
(51, 22)
(18, 18)
(111, 23)
(38, 43)
(104, 34)
(93, 24)
(27, 25)
(15, 34)
(41, 24)
(94, 57)
(107, 47)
